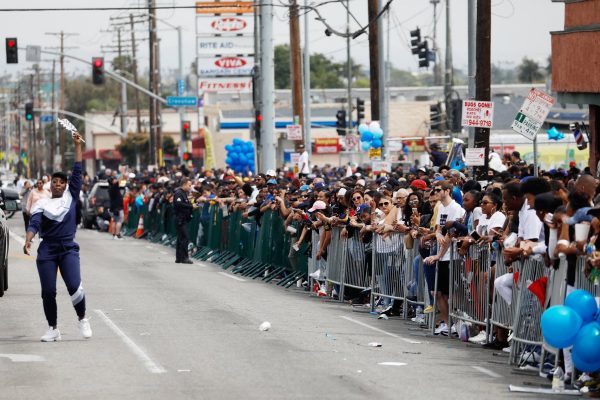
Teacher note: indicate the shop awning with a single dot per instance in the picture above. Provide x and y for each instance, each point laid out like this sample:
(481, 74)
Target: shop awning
(89, 154)
(109, 154)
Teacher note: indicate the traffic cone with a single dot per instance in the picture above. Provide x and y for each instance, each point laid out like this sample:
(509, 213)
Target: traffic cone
(140, 229)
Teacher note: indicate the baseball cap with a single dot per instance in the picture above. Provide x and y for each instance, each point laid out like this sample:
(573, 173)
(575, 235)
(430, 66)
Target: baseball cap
(362, 208)
(304, 188)
(419, 184)
(271, 172)
(319, 186)
(361, 182)
(318, 205)
(341, 192)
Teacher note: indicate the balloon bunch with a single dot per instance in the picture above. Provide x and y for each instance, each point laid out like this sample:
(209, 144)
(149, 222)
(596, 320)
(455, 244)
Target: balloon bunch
(370, 136)
(555, 134)
(577, 324)
(240, 155)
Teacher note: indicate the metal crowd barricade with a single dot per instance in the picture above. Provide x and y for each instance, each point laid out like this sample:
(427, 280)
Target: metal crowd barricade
(313, 263)
(527, 332)
(469, 293)
(415, 289)
(336, 252)
(389, 268)
(502, 311)
(582, 281)
(356, 268)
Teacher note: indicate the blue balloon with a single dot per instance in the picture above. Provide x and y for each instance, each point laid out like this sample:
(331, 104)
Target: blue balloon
(365, 146)
(234, 156)
(378, 133)
(228, 161)
(376, 143)
(555, 134)
(586, 349)
(583, 303)
(228, 147)
(560, 325)
(237, 141)
(362, 128)
(366, 136)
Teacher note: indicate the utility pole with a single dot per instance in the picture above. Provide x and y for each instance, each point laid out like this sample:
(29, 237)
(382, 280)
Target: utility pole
(54, 140)
(472, 68)
(138, 116)
(483, 74)
(62, 88)
(383, 106)
(296, 63)
(306, 81)
(153, 160)
(31, 133)
(374, 58)
(349, 69)
(449, 76)
(437, 67)
(267, 135)
(40, 151)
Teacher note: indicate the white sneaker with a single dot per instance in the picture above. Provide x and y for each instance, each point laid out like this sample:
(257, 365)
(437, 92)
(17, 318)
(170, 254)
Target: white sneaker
(84, 328)
(479, 338)
(442, 328)
(530, 357)
(419, 319)
(506, 349)
(51, 335)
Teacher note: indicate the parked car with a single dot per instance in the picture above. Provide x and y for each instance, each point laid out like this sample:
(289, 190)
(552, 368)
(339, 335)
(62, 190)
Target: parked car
(3, 248)
(11, 200)
(97, 197)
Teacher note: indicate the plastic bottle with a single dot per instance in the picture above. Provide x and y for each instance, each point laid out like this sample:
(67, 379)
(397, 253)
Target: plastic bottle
(558, 380)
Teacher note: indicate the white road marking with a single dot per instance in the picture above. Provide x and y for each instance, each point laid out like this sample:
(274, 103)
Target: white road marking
(392, 364)
(380, 330)
(23, 357)
(144, 358)
(232, 277)
(486, 371)
(17, 238)
(184, 370)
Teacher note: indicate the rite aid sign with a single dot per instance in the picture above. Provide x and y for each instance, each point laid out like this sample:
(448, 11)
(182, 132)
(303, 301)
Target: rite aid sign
(225, 25)
(225, 66)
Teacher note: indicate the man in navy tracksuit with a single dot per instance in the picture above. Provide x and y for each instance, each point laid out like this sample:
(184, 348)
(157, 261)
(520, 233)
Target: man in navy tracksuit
(55, 220)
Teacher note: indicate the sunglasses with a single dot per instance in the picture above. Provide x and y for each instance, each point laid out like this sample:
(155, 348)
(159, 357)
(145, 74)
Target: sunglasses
(437, 190)
(357, 198)
(485, 202)
(384, 203)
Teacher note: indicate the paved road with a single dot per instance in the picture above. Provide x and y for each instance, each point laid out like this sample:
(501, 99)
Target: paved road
(170, 331)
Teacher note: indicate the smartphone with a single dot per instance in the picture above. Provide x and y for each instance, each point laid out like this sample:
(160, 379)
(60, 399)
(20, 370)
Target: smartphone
(475, 235)
(549, 218)
(414, 211)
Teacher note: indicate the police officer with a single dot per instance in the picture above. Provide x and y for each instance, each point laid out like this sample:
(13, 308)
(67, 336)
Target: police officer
(183, 215)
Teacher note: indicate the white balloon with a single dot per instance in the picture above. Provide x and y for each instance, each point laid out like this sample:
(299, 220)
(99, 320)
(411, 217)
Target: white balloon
(374, 126)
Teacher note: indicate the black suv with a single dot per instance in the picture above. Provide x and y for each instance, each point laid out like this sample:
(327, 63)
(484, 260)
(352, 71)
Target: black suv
(97, 197)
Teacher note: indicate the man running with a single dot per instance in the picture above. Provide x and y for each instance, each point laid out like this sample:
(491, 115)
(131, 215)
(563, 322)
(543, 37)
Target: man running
(55, 220)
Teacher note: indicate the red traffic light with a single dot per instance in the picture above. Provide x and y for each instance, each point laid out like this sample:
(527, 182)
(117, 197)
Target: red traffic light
(11, 43)
(98, 63)
(259, 117)
(187, 156)
(186, 125)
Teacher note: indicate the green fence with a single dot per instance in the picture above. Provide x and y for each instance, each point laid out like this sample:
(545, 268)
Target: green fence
(229, 239)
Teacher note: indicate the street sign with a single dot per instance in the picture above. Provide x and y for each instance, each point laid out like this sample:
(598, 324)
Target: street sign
(33, 53)
(475, 157)
(221, 45)
(225, 66)
(327, 145)
(225, 85)
(375, 154)
(180, 87)
(479, 114)
(225, 25)
(294, 132)
(237, 7)
(46, 118)
(176, 101)
(533, 113)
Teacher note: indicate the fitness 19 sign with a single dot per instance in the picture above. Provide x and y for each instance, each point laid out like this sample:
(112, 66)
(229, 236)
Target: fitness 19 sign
(477, 114)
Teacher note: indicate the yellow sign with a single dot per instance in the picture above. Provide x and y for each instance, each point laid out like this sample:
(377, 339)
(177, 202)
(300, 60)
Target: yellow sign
(209, 155)
(375, 154)
(236, 7)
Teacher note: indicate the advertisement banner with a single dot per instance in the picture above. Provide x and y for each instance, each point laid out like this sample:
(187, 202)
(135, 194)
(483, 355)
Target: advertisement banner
(225, 66)
(225, 85)
(222, 45)
(225, 25)
(327, 145)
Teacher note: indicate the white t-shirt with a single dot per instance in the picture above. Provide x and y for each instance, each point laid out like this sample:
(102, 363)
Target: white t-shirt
(485, 225)
(451, 212)
(303, 163)
(530, 226)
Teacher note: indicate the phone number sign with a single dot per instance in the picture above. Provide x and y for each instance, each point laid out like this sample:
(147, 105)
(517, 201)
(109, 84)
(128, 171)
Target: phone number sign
(477, 114)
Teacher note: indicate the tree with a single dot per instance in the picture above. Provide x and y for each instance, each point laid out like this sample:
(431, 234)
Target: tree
(282, 66)
(135, 145)
(169, 146)
(529, 71)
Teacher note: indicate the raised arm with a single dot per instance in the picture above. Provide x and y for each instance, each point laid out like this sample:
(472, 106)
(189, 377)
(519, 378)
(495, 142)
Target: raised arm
(75, 181)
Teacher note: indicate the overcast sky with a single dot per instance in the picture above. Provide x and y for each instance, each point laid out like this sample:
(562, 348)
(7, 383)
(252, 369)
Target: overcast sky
(520, 28)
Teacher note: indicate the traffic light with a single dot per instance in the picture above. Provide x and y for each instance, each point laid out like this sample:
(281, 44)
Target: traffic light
(340, 123)
(424, 54)
(98, 70)
(257, 123)
(187, 156)
(186, 130)
(455, 115)
(415, 40)
(12, 51)
(360, 109)
(29, 111)
(435, 117)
